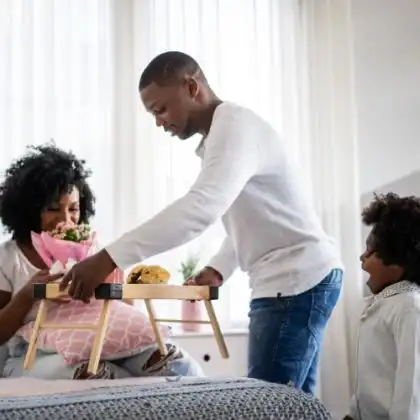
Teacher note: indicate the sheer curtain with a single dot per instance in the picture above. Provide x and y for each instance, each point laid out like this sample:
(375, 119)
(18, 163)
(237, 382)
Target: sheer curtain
(329, 149)
(245, 62)
(70, 71)
(57, 83)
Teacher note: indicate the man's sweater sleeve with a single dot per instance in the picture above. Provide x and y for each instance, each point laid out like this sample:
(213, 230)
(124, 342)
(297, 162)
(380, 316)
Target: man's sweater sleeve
(225, 261)
(231, 158)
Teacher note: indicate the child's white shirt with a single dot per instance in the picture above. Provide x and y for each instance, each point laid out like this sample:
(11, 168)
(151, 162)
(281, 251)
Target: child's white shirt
(388, 360)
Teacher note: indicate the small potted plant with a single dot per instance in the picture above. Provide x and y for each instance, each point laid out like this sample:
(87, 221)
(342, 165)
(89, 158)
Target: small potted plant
(190, 311)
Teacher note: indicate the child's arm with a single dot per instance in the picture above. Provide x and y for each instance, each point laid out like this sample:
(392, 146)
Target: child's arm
(353, 411)
(406, 401)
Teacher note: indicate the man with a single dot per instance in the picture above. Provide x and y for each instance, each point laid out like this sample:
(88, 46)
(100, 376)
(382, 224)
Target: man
(273, 233)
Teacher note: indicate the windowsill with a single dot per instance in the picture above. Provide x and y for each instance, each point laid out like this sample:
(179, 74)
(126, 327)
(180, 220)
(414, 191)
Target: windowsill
(179, 333)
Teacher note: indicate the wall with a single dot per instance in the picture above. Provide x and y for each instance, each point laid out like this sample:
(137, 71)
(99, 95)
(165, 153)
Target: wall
(387, 82)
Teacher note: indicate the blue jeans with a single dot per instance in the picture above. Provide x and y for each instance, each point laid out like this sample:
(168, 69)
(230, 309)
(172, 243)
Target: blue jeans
(52, 366)
(285, 334)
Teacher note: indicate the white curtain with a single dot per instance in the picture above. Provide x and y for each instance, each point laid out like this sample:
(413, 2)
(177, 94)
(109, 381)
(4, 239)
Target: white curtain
(329, 147)
(248, 51)
(69, 72)
(57, 82)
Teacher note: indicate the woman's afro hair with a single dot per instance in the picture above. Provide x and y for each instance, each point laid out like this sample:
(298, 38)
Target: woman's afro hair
(37, 180)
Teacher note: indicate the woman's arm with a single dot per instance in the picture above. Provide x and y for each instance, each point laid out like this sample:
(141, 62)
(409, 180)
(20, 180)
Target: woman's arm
(12, 313)
(13, 310)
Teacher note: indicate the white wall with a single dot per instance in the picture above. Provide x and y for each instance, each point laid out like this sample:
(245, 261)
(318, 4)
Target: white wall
(387, 82)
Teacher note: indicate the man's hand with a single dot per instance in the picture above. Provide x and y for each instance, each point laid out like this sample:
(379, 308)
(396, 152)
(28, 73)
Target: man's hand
(207, 277)
(85, 276)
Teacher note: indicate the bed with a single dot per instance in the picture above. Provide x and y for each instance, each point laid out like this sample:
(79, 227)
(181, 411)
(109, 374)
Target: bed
(156, 398)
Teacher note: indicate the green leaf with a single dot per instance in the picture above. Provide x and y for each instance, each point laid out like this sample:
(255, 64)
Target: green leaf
(189, 267)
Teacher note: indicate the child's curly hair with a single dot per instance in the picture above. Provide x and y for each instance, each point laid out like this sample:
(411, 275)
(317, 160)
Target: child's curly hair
(35, 181)
(396, 231)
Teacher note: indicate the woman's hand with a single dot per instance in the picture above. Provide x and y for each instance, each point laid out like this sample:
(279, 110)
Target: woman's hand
(42, 276)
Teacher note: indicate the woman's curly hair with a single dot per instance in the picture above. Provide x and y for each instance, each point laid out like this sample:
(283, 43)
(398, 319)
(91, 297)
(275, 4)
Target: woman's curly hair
(396, 231)
(37, 180)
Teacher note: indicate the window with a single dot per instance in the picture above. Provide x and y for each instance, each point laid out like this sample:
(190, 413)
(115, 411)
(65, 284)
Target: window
(70, 72)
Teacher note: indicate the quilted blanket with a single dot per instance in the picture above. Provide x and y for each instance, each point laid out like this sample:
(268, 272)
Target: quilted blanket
(198, 399)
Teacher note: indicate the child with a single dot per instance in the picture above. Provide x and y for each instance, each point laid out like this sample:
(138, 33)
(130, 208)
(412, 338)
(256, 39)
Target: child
(388, 362)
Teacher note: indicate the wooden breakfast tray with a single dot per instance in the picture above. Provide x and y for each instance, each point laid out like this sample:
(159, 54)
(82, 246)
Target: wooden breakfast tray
(108, 292)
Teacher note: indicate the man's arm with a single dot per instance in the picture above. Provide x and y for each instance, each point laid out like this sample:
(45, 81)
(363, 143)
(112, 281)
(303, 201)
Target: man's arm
(231, 159)
(225, 261)
(406, 402)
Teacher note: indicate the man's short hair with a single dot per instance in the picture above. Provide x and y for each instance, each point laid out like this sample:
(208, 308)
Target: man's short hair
(169, 68)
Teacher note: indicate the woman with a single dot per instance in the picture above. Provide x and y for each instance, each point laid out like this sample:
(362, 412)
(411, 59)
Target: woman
(43, 188)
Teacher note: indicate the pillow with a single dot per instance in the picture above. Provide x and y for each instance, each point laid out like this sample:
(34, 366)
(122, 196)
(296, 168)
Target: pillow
(129, 330)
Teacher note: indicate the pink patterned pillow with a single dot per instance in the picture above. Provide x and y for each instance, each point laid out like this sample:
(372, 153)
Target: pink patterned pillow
(128, 329)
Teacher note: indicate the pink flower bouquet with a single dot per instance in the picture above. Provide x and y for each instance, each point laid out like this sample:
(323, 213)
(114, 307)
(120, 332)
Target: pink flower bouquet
(129, 330)
(64, 246)
(67, 245)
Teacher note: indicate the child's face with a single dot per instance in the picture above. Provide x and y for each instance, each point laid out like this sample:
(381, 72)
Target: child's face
(67, 210)
(381, 275)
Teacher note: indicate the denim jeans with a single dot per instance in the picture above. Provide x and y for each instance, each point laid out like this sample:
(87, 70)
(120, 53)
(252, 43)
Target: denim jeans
(285, 334)
(52, 366)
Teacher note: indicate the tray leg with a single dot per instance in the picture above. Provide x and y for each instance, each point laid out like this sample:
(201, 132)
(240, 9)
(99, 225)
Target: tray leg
(31, 352)
(152, 317)
(98, 343)
(216, 330)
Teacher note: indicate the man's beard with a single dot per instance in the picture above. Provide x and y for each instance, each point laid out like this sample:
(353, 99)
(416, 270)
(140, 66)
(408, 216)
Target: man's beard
(188, 132)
